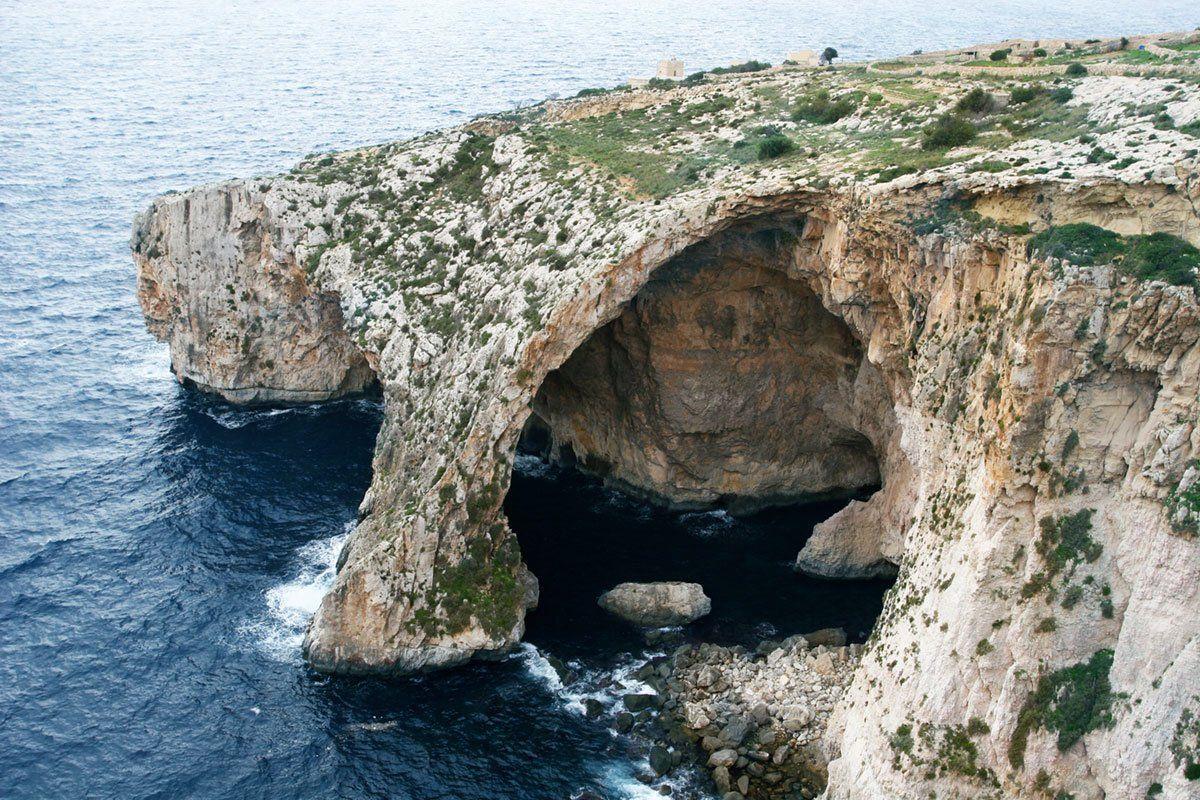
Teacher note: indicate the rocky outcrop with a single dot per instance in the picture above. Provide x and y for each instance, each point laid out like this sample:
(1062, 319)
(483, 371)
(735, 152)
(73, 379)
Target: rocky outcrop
(655, 605)
(239, 314)
(920, 318)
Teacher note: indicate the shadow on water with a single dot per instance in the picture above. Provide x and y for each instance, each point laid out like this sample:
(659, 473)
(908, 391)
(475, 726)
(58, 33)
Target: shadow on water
(581, 539)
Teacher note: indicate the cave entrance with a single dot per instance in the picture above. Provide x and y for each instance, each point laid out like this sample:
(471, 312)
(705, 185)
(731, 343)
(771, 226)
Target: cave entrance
(724, 383)
(701, 435)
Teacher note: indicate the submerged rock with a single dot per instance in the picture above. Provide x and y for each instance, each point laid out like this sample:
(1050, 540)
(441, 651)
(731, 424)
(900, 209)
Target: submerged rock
(639, 702)
(654, 605)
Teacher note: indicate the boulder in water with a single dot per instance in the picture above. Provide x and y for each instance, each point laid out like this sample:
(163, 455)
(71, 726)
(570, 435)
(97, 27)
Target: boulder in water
(654, 605)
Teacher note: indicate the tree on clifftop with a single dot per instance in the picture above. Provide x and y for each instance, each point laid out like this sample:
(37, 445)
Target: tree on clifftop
(828, 55)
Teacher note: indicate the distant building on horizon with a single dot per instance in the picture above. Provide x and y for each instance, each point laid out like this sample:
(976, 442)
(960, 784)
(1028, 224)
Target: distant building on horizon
(669, 69)
(805, 58)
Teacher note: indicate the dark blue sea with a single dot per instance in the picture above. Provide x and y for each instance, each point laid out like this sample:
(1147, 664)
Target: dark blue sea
(160, 552)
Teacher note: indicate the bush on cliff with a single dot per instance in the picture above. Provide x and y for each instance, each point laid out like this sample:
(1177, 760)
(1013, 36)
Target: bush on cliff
(949, 130)
(1072, 702)
(1079, 243)
(774, 146)
(1162, 257)
(821, 109)
(1154, 257)
(1076, 70)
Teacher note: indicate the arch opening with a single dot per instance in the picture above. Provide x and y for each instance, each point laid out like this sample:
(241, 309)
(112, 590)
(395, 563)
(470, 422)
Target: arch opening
(724, 383)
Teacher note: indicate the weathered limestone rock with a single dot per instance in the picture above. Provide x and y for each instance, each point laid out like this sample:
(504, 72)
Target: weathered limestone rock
(655, 605)
(1032, 420)
(684, 395)
(240, 316)
(764, 745)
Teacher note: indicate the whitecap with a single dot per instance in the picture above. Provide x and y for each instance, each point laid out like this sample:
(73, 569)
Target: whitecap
(605, 686)
(531, 466)
(291, 604)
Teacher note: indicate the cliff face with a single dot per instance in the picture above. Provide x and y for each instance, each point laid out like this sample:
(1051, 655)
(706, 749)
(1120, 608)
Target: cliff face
(702, 325)
(239, 315)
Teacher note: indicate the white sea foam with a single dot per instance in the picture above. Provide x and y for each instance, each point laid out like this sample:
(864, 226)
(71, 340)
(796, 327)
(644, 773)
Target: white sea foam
(234, 418)
(531, 465)
(590, 684)
(290, 605)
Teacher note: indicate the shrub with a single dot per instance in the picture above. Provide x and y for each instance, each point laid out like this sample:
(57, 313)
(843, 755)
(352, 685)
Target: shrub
(1162, 257)
(976, 101)
(1071, 701)
(1079, 243)
(1000, 55)
(891, 173)
(1062, 95)
(745, 66)
(949, 130)
(693, 79)
(902, 739)
(1076, 70)
(1155, 257)
(829, 54)
(977, 727)
(1040, 52)
(1023, 94)
(774, 146)
(821, 109)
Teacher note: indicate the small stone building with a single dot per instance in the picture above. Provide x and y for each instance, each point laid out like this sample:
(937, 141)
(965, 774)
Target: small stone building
(805, 58)
(671, 68)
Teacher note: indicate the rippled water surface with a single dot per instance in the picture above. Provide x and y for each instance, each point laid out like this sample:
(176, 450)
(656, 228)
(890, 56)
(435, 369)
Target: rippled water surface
(160, 552)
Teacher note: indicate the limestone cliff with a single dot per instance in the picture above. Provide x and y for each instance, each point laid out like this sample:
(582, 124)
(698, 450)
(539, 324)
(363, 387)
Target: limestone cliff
(758, 288)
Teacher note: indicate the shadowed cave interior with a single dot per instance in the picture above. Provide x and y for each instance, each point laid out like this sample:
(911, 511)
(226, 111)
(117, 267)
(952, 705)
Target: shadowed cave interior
(723, 396)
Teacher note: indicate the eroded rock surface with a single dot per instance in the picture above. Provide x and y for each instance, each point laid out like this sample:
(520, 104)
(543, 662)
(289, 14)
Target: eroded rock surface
(724, 381)
(1030, 414)
(241, 317)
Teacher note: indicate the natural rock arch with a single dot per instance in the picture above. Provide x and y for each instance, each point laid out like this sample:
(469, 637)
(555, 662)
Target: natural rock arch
(465, 266)
(460, 588)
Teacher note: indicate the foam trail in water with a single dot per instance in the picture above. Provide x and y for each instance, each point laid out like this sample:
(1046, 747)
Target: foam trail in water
(291, 605)
(234, 418)
(606, 686)
(539, 666)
